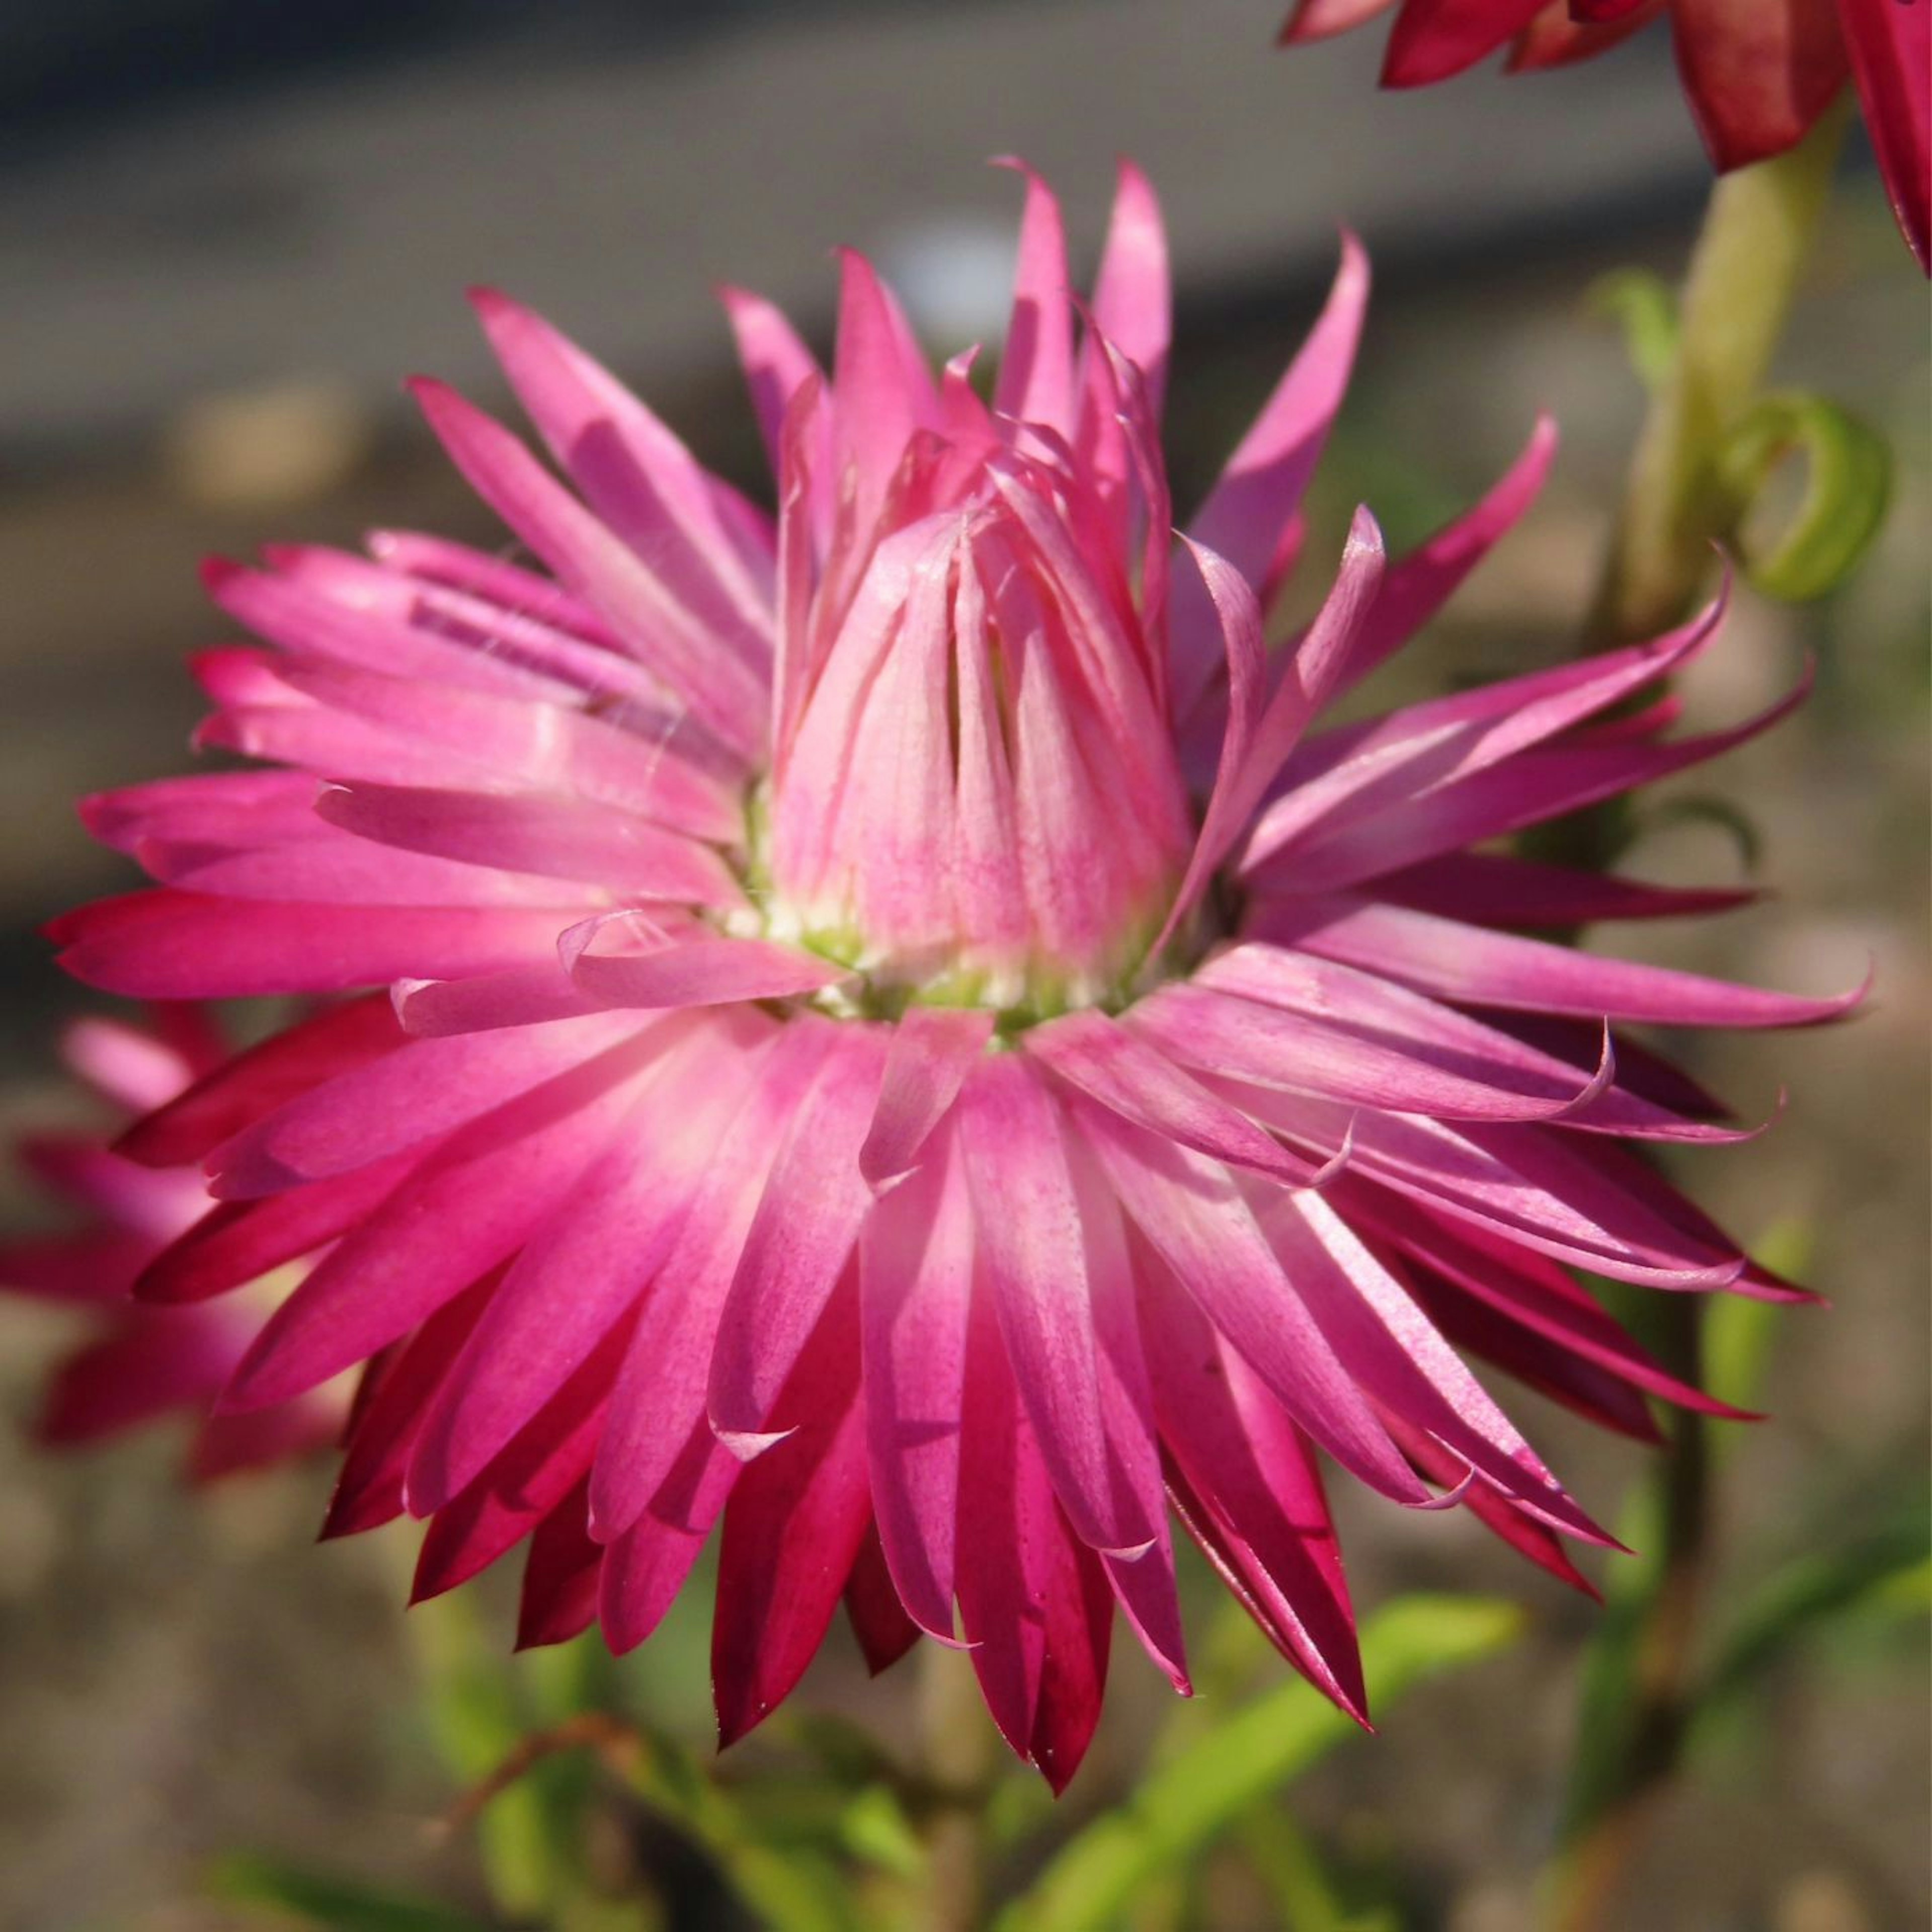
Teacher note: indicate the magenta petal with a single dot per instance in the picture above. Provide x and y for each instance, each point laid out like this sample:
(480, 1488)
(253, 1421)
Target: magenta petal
(1115, 1065)
(555, 838)
(239, 1242)
(719, 686)
(147, 1363)
(471, 1205)
(1434, 39)
(1131, 302)
(1504, 1518)
(884, 1632)
(396, 1388)
(561, 1575)
(915, 1285)
(1420, 581)
(777, 364)
(644, 1568)
(693, 972)
(657, 1409)
(1757, 77)
(636, 474)
(1378, 1330)
(573, 1282)
(165, 944)
(421, 1089)
(1249, 1489)
(1455, 961)
(1261, 488)
(792, 1529)
(933, 1049)
(1194, 1217)
(1494, 889)
(799, 1244)
(533, 1475)
(1029, 1239)
(1891, 49)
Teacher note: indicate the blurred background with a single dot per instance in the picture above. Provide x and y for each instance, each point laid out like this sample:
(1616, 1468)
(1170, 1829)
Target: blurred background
(226, 230)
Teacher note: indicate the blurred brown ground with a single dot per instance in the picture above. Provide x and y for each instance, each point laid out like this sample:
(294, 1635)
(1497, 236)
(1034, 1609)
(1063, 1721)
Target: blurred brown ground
(183, 1677)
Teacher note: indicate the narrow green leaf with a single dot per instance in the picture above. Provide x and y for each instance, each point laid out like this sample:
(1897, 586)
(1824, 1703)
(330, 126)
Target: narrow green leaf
(790, 1887)
(1847, 485)
(1191, 1801)
(875, 1828)
(320, 1898)
(1815, 1589)
(1303, 1893)
(1740, 1332)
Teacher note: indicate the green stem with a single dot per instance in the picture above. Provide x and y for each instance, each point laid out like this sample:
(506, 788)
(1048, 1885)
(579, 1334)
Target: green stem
(1757, 231)
(958, 1750)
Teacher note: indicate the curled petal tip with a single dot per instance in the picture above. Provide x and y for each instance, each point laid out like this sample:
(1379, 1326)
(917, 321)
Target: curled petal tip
(1450, 1499)
(749, 1444)
(1331, 1168)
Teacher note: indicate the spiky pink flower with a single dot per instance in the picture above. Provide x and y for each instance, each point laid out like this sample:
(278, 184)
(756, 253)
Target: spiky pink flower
(1757, 72)
(140, 1363)
(916, 1046)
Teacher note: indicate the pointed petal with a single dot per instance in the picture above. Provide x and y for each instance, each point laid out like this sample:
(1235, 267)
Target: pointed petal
(915, 1284)
(799, 1242)
(1036, 378)
(1029, 1238)
(1194, 1217)
(792, 1529)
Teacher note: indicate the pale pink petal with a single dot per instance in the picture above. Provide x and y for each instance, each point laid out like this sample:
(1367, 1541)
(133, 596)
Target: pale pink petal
(1194, 1217)
(1029, 1239)
(572, 1282)
(1035, 379)
(657, 1423)
(814, 1204)
(1132, 306)
(1261, 488)
(621, 967)
(916, 1266)
(1113, 1065)
(556, 838)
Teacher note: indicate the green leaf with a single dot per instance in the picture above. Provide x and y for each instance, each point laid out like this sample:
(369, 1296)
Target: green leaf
(1186, 1805)
(1644, 306)
(1740, 1331)
(1847, 485)
(875, 1828)
(1303, 1893)
(526, 1835)
(1878, 1569)
(317, 1898)
(790, 1887)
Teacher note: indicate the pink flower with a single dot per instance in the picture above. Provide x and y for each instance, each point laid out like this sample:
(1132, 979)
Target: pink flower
(1758, 73)
(916, 1046)
(143, 1362)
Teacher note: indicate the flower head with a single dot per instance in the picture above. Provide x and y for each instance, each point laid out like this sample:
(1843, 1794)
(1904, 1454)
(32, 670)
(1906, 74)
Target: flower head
(914, 1041)
(141, 1362)
(1757, 72)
